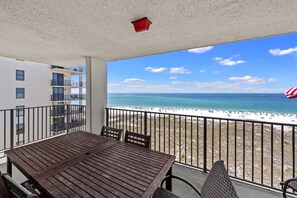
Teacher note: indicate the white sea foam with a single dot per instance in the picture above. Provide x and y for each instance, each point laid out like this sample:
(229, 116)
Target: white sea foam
(242, 115)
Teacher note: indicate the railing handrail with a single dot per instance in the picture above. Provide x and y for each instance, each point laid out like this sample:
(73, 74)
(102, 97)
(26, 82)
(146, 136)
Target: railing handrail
(206, 117)
(40, 107)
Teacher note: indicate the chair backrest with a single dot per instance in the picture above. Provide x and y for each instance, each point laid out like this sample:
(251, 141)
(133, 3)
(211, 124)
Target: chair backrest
(15, 190)
(112, 133)
(138, 139)
(218, 183)
(3, 188)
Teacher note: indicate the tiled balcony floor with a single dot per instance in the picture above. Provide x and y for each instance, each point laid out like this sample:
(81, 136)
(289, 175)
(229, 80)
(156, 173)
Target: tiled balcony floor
(197, 178)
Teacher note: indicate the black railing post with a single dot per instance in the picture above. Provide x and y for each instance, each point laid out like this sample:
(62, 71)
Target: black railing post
(106, 116)
(9, 165)
(205, 145)
(11, 129)
(145, 123)
(67, 118)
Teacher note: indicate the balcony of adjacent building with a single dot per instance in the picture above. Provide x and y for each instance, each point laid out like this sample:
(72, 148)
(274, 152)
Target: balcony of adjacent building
(63, 110)
(72, 70)
(67, 97)
(68, 83)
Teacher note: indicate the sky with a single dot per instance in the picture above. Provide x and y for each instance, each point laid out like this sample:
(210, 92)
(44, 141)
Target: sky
(265, 65)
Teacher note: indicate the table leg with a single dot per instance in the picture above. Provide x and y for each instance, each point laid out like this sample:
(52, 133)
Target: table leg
(9, 166)
(169, 180)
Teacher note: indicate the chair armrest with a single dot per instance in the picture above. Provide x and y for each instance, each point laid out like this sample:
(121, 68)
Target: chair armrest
(181, 179)
(286, 185)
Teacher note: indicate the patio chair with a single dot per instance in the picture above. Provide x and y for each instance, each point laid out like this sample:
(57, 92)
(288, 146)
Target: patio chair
(216, 185)
(138, 139)
(112, 133)
(289, 184)
(11, 189)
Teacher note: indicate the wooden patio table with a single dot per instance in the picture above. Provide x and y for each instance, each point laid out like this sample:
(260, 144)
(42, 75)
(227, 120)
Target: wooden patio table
(83, 164)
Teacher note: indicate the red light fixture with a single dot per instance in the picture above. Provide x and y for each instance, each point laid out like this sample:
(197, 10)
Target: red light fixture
(141, 24)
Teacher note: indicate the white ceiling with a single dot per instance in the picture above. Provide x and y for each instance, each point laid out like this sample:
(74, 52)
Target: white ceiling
(64, 32)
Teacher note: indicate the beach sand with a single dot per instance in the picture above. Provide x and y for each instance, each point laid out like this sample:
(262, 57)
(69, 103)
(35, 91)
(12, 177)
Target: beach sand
(241, 115)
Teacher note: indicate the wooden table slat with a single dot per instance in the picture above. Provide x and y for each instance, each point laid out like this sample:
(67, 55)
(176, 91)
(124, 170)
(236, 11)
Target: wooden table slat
(28, 160)
(148, 165)
(130, 163)
(121, 176)
(97, 176)
(124, 167)
(82, 186)
(61, 186)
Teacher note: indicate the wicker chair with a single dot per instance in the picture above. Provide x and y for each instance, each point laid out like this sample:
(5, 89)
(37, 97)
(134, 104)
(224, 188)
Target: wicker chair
(216, 185)
(11, 189)
(138, 139)
(112, 133)
(289, 184)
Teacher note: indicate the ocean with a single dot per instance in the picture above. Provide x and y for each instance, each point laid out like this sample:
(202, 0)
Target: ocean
(272, 103)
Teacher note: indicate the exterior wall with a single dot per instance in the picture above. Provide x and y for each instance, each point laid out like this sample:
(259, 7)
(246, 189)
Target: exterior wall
(36, 83)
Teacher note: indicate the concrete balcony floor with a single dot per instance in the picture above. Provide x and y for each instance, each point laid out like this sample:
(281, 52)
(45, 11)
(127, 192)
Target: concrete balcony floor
(196, 177)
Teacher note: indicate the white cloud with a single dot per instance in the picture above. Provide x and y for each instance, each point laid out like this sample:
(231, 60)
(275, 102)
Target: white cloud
(215, 72)
(179, 70)
(155, 70)
(133, 80)
(217, 85)
(172, 77)
(279, 52)
(154, 88)
(272, 79)
(200, 50)
(218, 58)
(228, 61)
(113, 84)
(180, 82)
(202, 71)
(248, 80)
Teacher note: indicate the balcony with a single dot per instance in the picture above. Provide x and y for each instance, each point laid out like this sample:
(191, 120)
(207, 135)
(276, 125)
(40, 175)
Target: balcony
(196, 141)
(67, 97)
(67, 83)
(61, 110)
(74, 71)
(63, 83)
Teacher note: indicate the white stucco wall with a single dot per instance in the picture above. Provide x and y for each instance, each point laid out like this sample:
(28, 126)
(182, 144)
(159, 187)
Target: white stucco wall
(36, 83)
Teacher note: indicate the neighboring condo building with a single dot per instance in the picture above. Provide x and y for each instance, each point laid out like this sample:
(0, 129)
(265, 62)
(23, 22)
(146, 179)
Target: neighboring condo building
(27, 84)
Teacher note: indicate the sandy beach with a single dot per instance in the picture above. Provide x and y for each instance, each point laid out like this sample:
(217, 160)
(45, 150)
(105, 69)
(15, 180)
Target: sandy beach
(241, 115)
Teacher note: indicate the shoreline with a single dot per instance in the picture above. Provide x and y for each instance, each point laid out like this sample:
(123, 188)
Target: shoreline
(224, 114)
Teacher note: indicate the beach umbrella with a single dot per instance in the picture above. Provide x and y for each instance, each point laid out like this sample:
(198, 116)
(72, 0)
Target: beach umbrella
(291, 93)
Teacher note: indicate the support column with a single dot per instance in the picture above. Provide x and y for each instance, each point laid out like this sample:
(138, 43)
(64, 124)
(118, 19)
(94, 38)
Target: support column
(96, 92)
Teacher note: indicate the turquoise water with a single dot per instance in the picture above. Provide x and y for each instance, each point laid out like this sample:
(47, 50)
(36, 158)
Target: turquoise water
(277, 103)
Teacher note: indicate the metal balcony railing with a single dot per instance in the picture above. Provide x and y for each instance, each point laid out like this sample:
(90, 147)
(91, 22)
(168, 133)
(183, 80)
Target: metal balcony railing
(262, 153)
(62, 97)
(30, 124)
(61, 83)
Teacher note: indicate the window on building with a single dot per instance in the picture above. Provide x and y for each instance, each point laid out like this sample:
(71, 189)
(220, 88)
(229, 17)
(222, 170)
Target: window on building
(19, 128)
(20, 75)
(20, 92)
(20, 110)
